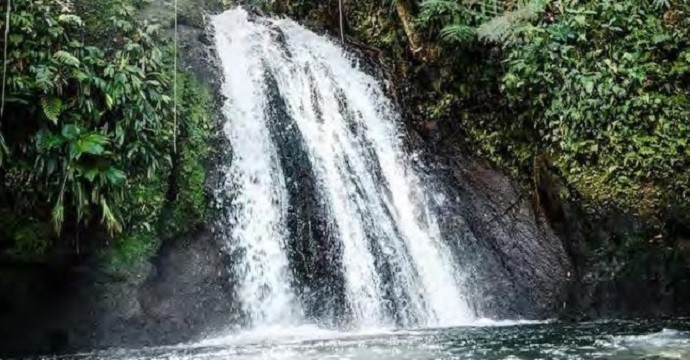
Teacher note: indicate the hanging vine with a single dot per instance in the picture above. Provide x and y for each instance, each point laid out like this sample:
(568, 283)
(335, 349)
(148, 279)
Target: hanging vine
(4, 59)
(175, 84)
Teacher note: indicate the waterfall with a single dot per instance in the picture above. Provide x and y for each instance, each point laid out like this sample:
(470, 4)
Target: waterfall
(327, 221)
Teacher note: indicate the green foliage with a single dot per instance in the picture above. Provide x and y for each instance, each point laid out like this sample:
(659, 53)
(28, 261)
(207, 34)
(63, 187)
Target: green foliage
(450, 18)
(127, 251)
(83, 115)
(604, 91)
(95, 18)
(30, 236)
(86, 139)
(458, 33)
(599, 87)
(168, 208)
(461, 22)
(190, 205)
(505, 29)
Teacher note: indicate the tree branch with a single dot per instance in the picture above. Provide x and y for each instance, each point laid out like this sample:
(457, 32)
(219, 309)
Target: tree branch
(402, 8)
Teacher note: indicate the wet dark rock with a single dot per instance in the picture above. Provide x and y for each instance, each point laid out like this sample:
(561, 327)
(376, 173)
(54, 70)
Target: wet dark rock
(515, 265)
(313, 247)
(182, 293)
(205, 39)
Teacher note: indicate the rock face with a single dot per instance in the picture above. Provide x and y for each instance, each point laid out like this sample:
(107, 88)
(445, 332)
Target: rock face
(603, 293)
(182, 293)
(650, 279)
(516, 265)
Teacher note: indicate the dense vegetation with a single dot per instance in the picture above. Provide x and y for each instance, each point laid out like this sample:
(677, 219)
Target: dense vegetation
(588, 99)
(597, 90)
(90, 147)
(599, 87)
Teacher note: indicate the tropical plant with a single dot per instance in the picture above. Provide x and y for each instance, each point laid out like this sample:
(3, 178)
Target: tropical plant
(605, 90)
(81, 122)
(462, 21)
(600, 87)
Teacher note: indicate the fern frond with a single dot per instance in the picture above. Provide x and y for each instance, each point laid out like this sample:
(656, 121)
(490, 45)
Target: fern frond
(52, 108)
(484, 10)
(71, 19)
(498, 21)
(505, 28)
(458, 33)
(65, 58)
(498, 30)
(44, 77)
(434, 8)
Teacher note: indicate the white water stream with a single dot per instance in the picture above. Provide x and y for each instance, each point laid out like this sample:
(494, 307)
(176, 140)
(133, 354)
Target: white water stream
(396, 269)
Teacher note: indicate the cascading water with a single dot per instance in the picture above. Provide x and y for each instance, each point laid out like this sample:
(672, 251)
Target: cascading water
(328, 222)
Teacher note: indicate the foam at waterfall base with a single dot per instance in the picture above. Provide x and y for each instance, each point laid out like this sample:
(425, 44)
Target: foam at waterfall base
(282, 335)
(277, 334)
(485, 339)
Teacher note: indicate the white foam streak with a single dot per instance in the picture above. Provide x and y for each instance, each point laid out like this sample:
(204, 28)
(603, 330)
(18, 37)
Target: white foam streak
(374, 200)
(258, 210)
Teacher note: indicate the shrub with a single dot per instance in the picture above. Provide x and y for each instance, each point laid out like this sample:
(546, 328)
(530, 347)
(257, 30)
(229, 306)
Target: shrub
(599, 87)
(86, 138)
(605, 88)
(81, 121)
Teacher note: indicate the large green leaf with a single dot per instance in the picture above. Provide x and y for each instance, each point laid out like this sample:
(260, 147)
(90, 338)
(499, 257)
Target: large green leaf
(71, 19)
(58, 214)
(91, 173)
(71, 131)
(52, 108)
(109, 218)
(92, 144)
(47, 140)
(115, 176)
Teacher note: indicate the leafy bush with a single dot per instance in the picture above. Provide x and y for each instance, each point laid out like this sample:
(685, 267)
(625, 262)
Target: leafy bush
(605, 88)
(128, 250)
(30, 235)
(87, 132)
(77, 117)
(457, 21)
(163, 208)
(600, 87)
(190, 206)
